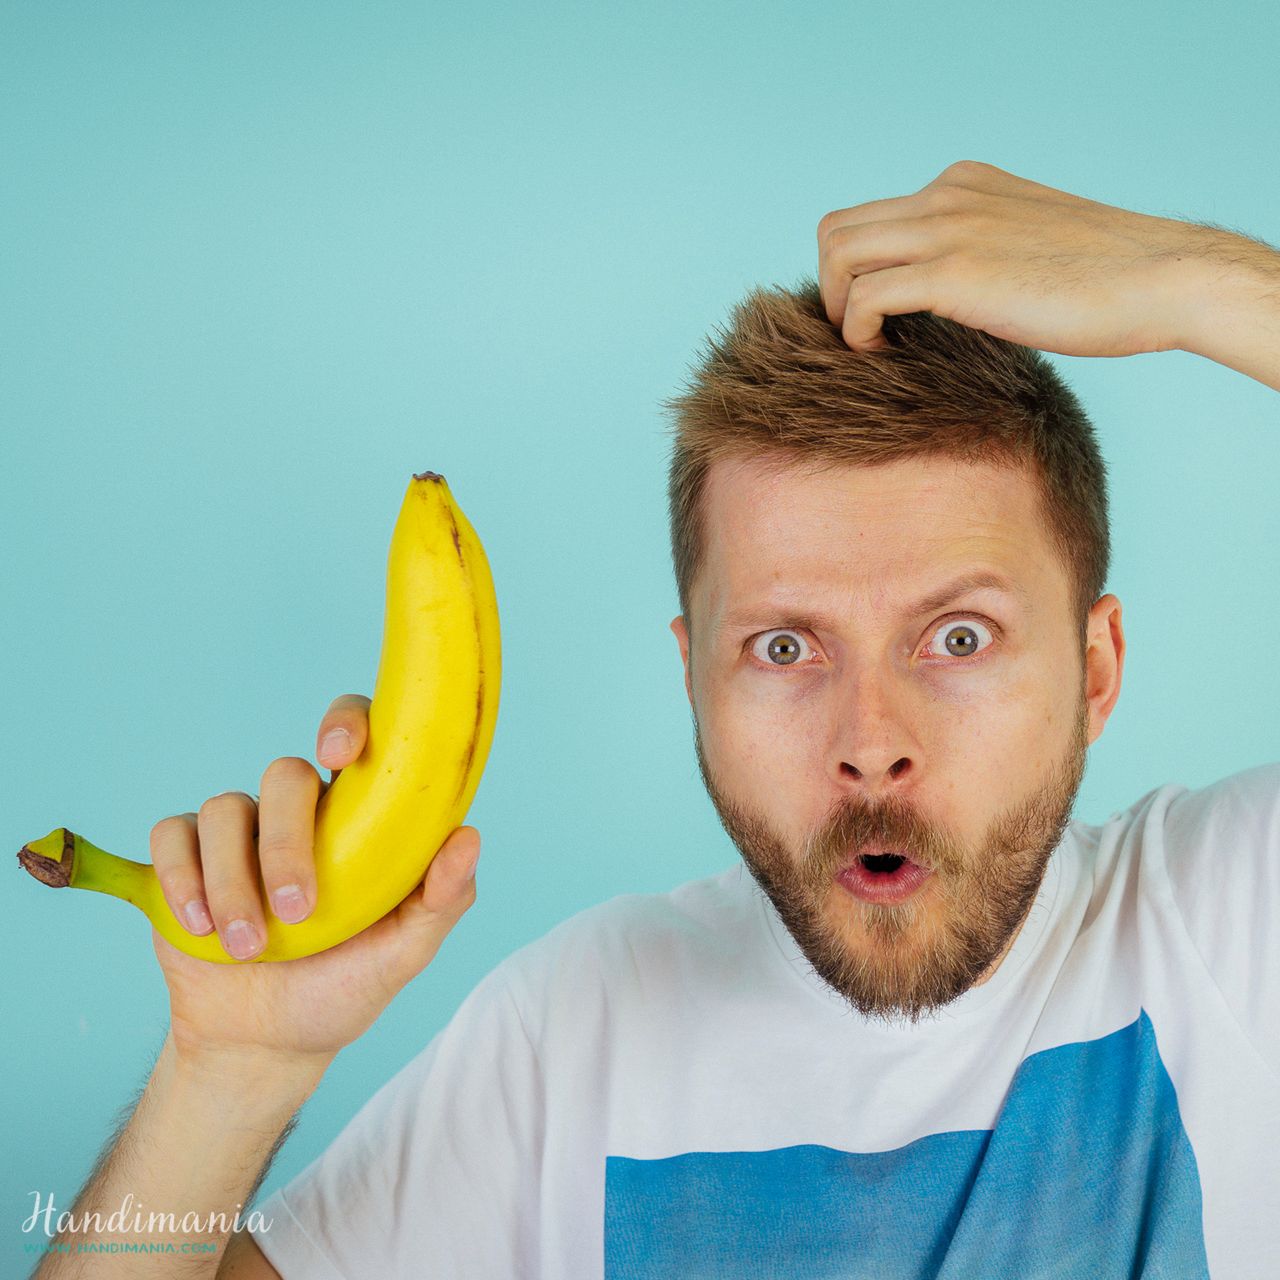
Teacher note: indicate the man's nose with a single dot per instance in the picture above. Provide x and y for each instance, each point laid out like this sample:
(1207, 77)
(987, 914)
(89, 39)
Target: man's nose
(874, 742)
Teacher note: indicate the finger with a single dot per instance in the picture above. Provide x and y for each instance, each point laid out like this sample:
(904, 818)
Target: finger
(343, 731)
(953, 188)
(175, 854)
(286, 837)
(855, 249)
(892, 292)
(432, 909)
(894, 209)
(450, 890)
(225, 825)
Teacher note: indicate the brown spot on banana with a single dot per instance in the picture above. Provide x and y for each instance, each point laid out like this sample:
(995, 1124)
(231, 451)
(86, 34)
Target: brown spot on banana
(457, 542)
(475, 735)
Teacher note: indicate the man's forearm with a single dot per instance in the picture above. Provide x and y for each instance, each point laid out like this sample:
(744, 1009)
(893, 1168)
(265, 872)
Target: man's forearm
(188, 1161)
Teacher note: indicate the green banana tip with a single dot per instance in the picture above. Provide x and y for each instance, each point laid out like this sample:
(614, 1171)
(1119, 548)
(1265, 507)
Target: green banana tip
(51, 858)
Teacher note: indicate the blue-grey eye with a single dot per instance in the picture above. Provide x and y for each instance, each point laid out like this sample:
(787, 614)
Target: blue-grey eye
(783, 648)
(961, 639)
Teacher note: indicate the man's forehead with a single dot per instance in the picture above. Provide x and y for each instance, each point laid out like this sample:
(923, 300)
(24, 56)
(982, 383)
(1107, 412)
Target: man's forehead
(754, 485)
(905, 529)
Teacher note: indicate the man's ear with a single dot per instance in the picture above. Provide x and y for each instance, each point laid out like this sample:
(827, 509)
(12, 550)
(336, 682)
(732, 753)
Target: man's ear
(1104, 662)
(681, 633)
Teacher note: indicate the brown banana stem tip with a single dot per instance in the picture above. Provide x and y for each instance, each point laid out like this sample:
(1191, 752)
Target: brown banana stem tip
(57, 875)
(427, 475)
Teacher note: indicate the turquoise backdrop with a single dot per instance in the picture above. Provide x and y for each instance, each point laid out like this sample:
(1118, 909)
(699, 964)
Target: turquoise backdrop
(262, 262)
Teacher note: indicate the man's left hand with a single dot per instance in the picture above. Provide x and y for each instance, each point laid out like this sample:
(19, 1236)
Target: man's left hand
(1033, 265)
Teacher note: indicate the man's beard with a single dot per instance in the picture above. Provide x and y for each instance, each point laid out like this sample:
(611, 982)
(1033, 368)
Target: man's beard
(907, 959)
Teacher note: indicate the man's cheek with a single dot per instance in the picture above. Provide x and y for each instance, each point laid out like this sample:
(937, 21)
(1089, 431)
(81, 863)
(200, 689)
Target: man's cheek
(1016, 734)
(751, 742)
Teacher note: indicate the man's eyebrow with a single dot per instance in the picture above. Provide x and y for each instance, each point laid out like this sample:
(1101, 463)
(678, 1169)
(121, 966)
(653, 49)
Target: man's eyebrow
(977, 580)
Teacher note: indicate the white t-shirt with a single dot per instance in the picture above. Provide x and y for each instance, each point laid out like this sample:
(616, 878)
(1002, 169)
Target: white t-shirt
(662, 1086)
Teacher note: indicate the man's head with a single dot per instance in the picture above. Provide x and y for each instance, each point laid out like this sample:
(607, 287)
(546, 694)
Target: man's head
(819, 498)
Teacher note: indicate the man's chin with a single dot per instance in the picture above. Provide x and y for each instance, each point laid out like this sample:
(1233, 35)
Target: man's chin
(888, 962)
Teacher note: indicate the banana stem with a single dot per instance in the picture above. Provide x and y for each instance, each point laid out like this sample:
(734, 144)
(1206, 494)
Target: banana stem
(63, 859)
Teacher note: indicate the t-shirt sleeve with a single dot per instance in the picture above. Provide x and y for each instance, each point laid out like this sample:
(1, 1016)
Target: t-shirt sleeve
(1222, 851)
(437, 1174)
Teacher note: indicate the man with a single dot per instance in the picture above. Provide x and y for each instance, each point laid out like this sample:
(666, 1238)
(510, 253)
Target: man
(932, 1027)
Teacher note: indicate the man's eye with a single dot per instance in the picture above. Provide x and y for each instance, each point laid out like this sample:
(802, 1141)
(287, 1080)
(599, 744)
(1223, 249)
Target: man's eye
(778, 648)
(960, 639)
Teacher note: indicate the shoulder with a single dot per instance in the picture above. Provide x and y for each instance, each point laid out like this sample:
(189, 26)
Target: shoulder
(687, 934)
(696, 914)
(1242, 806)
(1221, 857)
(1162, 846)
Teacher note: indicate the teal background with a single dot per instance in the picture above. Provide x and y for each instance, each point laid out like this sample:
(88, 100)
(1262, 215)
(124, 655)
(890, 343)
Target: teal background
(261, 263)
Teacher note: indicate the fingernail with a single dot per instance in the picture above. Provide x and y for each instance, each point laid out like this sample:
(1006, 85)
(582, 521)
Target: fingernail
(241, 939)
(336, 744)
(198, 918)
(470, 865)
(290, 903)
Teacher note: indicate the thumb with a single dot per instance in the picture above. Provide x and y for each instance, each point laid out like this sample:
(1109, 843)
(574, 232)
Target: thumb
(435, 905)
(449, 887)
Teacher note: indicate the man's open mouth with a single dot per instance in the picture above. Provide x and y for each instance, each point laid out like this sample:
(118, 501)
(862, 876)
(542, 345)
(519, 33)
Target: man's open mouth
(884, 876)
(883, 863)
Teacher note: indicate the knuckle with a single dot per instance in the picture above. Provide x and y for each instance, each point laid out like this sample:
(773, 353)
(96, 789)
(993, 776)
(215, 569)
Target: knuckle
(468, 897)
(949, 201)
(165, 831)
(282, 849)
(175, 882)
(290, 769)
(230, 875)
(936, 198)
(861, 288)
(227, 881)
(225, 802)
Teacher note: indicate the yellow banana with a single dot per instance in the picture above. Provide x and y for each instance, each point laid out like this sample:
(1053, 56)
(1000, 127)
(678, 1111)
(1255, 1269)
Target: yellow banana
(431, 721)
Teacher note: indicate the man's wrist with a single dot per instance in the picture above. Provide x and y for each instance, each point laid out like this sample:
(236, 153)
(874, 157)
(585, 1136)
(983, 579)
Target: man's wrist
(1228, 302)
(263, 1080)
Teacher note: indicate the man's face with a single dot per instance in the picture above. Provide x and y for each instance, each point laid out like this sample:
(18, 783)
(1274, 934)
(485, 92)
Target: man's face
(834, 711)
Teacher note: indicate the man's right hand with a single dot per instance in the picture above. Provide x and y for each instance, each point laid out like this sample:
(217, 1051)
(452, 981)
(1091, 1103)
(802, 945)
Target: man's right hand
(305, 1009)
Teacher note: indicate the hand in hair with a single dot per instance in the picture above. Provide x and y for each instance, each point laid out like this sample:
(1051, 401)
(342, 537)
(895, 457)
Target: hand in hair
(1050, 270)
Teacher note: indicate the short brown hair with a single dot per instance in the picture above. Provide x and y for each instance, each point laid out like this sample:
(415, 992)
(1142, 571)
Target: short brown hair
(782, 383)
